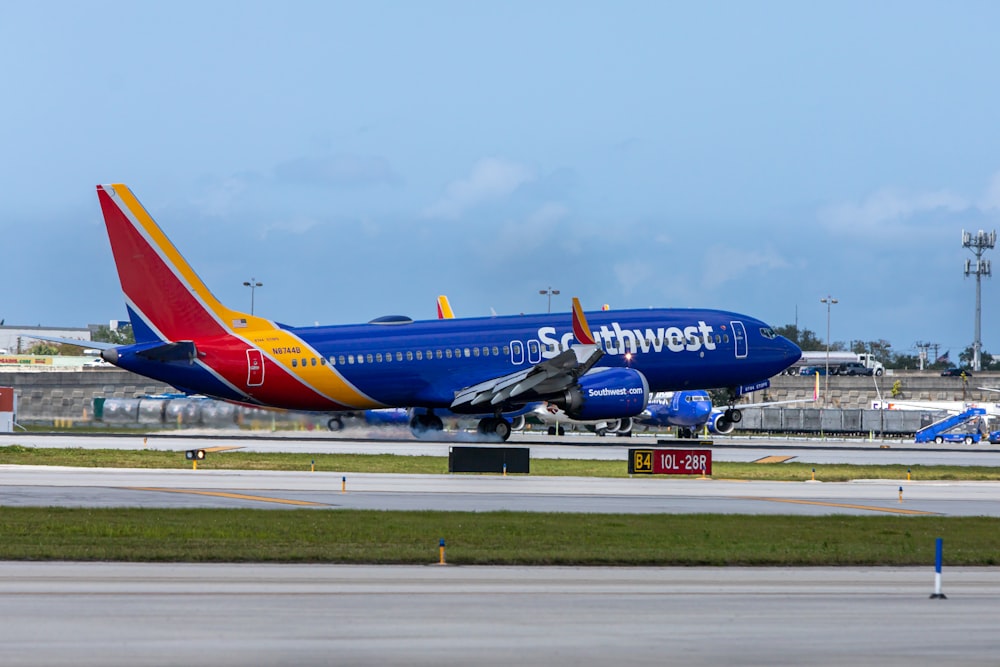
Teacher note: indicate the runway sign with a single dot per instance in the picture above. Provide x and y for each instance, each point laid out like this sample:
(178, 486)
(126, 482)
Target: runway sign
(669, 461)
(489, 459)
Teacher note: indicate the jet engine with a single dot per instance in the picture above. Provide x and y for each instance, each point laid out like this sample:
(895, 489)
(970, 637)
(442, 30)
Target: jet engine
(605, 393)
(717, 423)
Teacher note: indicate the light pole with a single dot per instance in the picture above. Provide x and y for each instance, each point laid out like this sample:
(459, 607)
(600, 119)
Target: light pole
(253, 285)
(829, 301)
(550, 292)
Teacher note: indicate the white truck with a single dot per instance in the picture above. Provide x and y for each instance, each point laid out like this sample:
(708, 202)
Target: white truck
(818, 358)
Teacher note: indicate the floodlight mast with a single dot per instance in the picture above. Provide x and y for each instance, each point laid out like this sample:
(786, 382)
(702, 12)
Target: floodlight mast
(978, 244)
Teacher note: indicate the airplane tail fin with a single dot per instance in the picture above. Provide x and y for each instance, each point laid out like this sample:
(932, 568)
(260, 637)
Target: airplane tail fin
(444, 308)
(581, 330)
(166, 299)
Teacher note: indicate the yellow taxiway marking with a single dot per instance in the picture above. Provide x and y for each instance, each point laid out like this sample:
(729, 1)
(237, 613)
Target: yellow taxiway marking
(870, 508)
(237, 496)
(221, 448)
(774, 459)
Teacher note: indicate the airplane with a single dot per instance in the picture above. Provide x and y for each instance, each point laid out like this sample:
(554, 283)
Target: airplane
(689, 411)
(599, 365)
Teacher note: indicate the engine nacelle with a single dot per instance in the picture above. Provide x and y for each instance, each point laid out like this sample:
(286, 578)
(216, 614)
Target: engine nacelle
(606, 393)
(717, 423)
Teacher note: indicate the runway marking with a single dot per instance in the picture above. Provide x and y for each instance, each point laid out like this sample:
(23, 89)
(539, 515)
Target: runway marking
(222, 448)
(237, 496)
(774, 459)
(871, 508)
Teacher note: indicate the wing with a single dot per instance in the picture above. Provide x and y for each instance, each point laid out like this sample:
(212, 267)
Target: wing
(535, 383)
(541, 380)
(90, 344)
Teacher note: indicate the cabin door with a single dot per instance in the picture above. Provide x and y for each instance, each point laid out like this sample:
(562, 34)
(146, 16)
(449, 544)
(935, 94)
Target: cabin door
(740, 339)
(255, 368)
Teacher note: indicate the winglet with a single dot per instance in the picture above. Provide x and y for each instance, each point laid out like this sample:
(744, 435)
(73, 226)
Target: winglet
(444, 309)
(581, 330)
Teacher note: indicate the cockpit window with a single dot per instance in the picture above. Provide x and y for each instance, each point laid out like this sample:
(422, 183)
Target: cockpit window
(768, 332)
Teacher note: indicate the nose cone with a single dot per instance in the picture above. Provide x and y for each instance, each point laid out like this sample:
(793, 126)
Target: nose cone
(790, 351)
(702, 411)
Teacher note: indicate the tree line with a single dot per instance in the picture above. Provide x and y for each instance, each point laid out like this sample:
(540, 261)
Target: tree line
(882, 350)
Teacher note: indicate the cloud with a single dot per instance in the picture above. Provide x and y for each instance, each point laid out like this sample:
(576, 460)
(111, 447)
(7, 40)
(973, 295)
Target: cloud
(723, 264)
(294, 226)
(218, 198)
(519, 238)
(339, 171)
(887, 209)
(491, 179)
(634, 273)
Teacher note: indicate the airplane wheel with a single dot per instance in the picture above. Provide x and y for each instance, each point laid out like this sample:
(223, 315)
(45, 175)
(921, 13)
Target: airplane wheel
(335, 424)
(422, 425)
(494, 426)
(552, 430)
(560, 430)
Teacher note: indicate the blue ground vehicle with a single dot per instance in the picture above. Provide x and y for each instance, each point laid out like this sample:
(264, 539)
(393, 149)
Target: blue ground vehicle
(963, 427)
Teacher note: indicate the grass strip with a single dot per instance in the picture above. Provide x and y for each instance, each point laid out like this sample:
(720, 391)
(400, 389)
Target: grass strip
(489, 538)
(438, 465)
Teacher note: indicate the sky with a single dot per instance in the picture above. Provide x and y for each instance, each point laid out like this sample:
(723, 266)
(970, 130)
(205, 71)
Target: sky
(361, 158)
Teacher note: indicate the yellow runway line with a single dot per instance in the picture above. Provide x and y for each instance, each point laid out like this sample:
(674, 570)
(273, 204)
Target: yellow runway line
(870, 508)
(237, 496)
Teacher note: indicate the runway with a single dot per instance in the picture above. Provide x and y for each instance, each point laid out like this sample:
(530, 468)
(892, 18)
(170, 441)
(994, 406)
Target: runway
(110, 614)
(331, 490)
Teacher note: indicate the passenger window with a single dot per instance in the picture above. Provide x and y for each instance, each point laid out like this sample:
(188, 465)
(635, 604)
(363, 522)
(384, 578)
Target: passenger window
(420, 355)
(447, 353)
(333, 361)
(378, 357)
(475, 351)
(361, 358)
(438, 354)
(295, 363)
(342, 360)
(388, 356)
(468, 353)
(409, 355)
(399, 356)
(370, 359)
(496, 351)
(350, 358)
(312, 361)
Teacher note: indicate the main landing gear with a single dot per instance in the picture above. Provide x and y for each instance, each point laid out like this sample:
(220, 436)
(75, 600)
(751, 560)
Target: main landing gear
(494, 427)
(426, 424)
